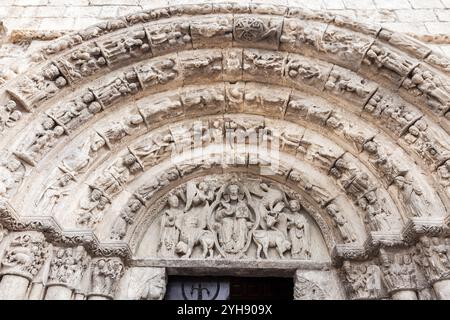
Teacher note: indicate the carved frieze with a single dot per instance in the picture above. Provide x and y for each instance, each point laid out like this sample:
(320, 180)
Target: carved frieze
(33, 89)
(429, 88)
(169, 37)
(214, 219)
(120, 47)
(399, 271)
(116, 88)
(81, 63)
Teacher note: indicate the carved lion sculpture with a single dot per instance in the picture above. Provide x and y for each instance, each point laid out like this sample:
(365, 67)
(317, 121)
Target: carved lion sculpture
(191, 235)
(266, 239)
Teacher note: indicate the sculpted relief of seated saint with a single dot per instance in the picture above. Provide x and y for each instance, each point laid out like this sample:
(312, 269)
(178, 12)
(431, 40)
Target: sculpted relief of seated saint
(222, 217)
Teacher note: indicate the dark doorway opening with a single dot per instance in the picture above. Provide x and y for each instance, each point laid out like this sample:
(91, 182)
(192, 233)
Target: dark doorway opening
(229, 288)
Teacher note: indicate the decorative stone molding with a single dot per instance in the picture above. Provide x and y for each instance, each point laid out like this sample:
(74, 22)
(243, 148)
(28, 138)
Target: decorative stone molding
(360, 114)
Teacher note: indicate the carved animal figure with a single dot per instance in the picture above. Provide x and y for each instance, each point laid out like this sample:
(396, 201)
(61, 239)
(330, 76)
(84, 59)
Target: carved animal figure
(191, 235)
(266, 239)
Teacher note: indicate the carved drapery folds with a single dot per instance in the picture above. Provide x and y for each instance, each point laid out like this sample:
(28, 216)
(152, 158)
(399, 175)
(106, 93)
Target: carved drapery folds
(105, 277)
(433, 256)
(223, 217)
(365, 107)
(68, 266)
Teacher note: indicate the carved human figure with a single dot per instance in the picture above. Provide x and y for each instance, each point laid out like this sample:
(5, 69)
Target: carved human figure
(342, 224)
(91, 209)
(299, 232)
(377, 215)
(232, 203)
(12, 172)
(126, 218)
(41, 140)
(364, 279)
(53, 194)
(169, 234)
(432, 256)
(67, 266)
(444, 173)
(105, 276)
(152, 151)
(413, 197)
(9, 115)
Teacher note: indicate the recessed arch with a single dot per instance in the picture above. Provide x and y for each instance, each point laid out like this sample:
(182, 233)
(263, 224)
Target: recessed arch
(361, 113)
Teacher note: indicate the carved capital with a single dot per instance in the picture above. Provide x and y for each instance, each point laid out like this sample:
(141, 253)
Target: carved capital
(433, 256)
(68, 266)
(363, 280)
(25, 255)
(105, 277)
(399, 271)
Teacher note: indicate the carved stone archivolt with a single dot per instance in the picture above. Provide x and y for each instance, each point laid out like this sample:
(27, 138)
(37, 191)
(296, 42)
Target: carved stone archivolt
(226, 134)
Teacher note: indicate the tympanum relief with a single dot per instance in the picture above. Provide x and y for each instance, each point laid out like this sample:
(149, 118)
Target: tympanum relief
(231, 217)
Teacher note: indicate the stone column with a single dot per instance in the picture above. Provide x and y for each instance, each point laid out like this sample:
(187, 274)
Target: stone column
(22, 261)
(435, 266)
(143, 283)
(399, 273)
(105, 277)
(67, 268)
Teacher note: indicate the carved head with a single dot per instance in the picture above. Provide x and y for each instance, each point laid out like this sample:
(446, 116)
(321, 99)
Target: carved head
(129, 159)
(233, 192)
(286, 245)
(294, 205)
(13, 164)
(10, 105)
(435, 241)
(88, 97)
(370, 147)
(96, 195)
(203, 186)
(65, 179)
(95, 107)
(173, 201)
(371, 197)
(48, 124)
